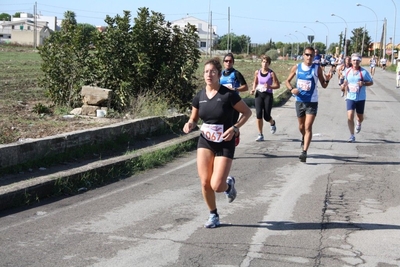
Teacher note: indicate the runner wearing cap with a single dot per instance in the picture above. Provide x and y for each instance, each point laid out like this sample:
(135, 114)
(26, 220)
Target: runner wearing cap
(356, 80)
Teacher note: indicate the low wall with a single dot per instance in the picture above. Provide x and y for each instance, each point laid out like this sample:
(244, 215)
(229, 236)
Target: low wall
(23, 152)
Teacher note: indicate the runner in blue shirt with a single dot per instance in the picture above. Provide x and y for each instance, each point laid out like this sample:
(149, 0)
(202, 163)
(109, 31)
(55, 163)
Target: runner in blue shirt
(306, 91)
(356, 80)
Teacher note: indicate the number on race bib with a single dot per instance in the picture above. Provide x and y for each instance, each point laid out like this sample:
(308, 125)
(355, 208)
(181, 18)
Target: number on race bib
(304, 85)
(354, 88)
(212, 132)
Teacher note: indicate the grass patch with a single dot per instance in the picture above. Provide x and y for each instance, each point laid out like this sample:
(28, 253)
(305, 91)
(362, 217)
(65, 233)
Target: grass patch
(248, 67)
(96, 178)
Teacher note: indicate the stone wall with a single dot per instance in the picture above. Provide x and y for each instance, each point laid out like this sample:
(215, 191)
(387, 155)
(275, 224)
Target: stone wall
(26, 151)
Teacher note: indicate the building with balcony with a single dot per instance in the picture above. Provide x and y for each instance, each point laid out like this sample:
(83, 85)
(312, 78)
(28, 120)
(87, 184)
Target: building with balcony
(207, 33)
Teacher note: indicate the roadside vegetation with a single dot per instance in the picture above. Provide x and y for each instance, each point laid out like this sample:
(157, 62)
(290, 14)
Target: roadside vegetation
(27, 111)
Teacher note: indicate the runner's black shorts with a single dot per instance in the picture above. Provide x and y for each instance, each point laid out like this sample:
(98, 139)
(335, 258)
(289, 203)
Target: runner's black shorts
(303, 108)
(223, 149)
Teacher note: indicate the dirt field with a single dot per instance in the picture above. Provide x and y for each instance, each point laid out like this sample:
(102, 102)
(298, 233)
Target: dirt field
(20, 98)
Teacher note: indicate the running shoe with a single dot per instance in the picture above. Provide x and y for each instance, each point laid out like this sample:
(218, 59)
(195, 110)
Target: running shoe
(273, 128)
(357, 129)
(302, 142)
(352, 139)
(303, 156)
(260, 138)
(213, 221)
(342, 94)
(231, 195)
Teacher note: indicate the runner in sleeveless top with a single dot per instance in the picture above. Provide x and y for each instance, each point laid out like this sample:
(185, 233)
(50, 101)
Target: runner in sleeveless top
(215, 105)
(307, 75)
(234, 80)
(372, 65)
(339, 63)
(383, 63)
(323, 62)
(317, 58)
(333, 64)
(265, 81)
(356, 80)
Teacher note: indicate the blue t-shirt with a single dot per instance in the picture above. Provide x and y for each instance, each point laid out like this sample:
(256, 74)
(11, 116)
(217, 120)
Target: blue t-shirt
(354, 92)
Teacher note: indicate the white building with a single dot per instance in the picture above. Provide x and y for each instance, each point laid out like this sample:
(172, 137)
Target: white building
(207, 34)
(22, 30)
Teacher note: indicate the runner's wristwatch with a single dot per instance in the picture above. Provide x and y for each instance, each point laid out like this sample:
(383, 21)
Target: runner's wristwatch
(235, 129)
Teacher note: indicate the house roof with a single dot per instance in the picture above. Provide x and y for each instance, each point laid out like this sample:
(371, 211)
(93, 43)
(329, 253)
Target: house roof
(189, 19)
(40, 24)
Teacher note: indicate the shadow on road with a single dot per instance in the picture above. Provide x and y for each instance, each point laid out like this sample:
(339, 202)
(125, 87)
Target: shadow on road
(287, 225)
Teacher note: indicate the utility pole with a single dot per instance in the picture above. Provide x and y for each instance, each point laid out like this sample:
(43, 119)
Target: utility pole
(35, 25)
(384, 37)
(211, 36)
(229, 30)
(362, 42)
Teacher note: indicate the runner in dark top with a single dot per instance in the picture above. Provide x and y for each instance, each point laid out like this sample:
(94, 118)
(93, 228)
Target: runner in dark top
(215, 105)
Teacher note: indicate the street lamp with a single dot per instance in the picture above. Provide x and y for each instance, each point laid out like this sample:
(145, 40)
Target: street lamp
(304, 38)
(394, 32)
(345, 33)
(313, 32)
(376, 27)
(326, 40)
(297, 52)
(291, 50)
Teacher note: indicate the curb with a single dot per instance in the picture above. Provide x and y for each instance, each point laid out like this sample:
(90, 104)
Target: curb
(32, 190)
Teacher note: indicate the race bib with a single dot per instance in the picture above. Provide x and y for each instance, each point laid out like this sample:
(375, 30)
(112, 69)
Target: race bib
(304, 85)
(261, 88)
(354, 88)
(212, 132)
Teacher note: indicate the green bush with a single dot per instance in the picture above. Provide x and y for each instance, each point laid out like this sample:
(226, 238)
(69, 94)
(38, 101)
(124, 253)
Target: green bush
(150, 56)
(273, 54)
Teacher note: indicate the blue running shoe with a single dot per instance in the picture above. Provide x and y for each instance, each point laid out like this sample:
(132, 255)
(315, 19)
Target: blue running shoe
(213, 221)
(231, 195)
(352, 139)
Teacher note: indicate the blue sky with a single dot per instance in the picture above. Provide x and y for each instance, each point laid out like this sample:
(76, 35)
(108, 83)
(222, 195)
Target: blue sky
(286, 21)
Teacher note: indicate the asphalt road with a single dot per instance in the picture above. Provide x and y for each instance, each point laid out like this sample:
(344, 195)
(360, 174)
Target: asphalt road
(341, 208)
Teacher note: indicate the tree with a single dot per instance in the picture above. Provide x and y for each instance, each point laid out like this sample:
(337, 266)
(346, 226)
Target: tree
(67, 63)
(150, 56)
(88, 29)
(69, 19)
(5, 17)
(321, 47)
(237, 44)
(360, 40)
(17, 15)
(332, 48)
